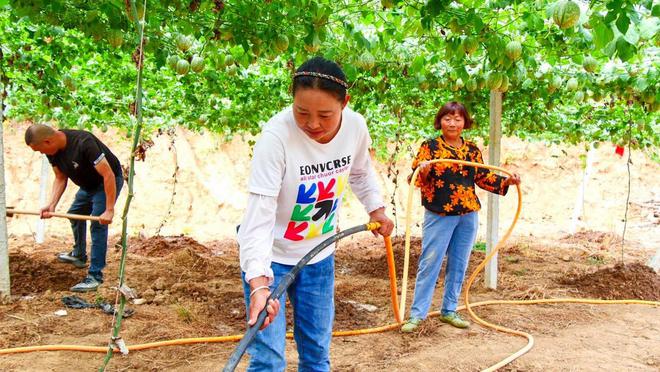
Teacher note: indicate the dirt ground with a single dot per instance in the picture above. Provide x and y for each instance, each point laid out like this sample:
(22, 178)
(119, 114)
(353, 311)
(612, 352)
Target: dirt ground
(193, 290)
(190, 278)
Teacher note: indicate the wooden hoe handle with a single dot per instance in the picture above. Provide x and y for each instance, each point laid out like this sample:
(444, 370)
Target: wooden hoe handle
(11, 212)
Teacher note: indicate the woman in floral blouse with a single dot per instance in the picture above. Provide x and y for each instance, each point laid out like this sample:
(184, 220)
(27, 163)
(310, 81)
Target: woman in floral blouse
(450, 218)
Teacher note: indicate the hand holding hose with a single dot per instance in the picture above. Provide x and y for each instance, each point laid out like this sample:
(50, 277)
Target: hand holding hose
(258, 297)
(514, 179)
(424, 171)
(386, 224)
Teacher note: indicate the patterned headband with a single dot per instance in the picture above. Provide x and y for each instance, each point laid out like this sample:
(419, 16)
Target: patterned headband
(322, 76)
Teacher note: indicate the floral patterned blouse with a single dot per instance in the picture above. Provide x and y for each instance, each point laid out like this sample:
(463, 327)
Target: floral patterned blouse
(449, 190)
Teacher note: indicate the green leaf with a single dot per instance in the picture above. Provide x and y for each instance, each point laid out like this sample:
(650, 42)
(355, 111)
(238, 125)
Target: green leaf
(656, 10)
(603, 34)
(477, 23)
(434, 7)
(610, 49)
(186, 28)
(361, 41)
(426, 22)
(622, 23)
(236, 51)
(577, 58)
(350, 71)
(611, 16)
(624, 49)
(417, 64)
(641, 84)
(534, 22)
(614, 5)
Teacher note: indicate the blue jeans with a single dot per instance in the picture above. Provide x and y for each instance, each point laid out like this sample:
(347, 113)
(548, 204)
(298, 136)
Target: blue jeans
(453, 235)
(92, 203)
(312, 298)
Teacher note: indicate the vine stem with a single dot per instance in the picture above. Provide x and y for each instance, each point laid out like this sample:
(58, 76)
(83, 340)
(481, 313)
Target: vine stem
(625, 215)
(119, 298)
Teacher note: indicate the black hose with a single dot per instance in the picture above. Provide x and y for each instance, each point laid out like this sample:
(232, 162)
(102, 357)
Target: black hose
(281, 287)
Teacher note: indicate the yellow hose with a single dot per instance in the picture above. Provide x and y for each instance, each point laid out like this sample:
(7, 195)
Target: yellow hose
(468, 306)
(235, 338)
(392, 274)
(102, 349)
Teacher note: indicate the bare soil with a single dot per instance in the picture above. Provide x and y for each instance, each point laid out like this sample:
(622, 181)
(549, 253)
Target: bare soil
(194, 290)
(618, 282)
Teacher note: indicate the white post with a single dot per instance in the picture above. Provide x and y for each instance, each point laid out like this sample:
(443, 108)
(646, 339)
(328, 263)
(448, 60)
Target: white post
(43, 194)
(654, 262)
(4, 251)
(579, 200)
(492, 233)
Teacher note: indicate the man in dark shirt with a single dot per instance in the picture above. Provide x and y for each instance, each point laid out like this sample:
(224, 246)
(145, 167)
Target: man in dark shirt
(80, 156)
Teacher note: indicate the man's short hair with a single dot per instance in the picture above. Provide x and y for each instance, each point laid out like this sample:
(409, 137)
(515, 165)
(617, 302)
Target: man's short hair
(37, 133)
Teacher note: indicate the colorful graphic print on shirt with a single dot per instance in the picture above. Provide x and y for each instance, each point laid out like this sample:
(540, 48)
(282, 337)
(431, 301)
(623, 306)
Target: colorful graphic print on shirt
(320, 191)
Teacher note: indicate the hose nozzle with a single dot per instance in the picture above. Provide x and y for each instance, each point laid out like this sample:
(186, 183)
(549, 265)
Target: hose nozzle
(371, 226)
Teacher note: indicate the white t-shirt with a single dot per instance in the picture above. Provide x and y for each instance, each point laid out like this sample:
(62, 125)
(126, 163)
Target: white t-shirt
(305, 182)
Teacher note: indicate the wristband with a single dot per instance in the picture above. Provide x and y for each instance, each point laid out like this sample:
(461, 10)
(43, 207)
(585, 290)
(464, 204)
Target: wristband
(258, 288)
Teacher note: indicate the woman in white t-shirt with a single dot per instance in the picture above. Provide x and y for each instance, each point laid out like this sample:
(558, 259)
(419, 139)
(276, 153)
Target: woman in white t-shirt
(303, 161)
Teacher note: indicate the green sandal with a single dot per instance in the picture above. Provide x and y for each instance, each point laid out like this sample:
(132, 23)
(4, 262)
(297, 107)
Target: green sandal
(454, 319)
(411, 325)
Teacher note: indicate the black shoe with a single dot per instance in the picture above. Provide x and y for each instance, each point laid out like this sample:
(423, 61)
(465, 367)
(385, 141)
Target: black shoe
(76, 302)
(68, 257)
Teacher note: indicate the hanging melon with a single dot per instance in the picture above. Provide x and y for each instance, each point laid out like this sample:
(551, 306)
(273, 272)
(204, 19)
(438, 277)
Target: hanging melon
(566, 14)
(182, 67)
(513, 50)
(590, 64)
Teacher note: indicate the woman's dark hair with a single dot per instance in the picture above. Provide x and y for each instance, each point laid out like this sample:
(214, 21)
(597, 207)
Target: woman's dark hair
(451, 108)
(321, 66)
